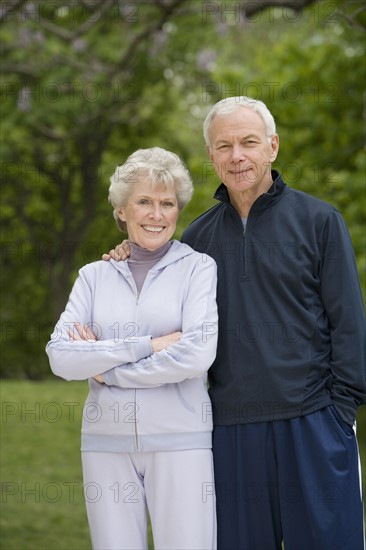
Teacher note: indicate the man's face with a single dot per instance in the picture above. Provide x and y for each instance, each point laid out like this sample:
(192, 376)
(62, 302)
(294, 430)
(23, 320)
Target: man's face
(241, 152)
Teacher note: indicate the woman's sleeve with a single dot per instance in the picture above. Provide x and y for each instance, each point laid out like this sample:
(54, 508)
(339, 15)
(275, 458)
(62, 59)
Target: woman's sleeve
(193, 355)
(79, 360)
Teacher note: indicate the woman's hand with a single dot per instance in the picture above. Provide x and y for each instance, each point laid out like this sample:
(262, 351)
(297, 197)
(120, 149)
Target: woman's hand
(83, 332)
(164, 342)
(121, 252)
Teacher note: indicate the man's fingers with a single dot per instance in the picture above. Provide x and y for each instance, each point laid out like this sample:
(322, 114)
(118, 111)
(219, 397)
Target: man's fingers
(123, 250)
(120, 253)
(112, 254)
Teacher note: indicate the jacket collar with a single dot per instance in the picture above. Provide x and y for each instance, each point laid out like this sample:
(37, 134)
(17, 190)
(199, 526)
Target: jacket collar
(177, 251)
(265, 200)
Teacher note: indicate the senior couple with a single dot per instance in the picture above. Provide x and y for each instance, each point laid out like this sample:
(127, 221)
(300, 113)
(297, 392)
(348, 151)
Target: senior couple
(283, 349)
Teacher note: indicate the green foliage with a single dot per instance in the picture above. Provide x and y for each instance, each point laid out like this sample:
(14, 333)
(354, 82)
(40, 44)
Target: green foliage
(82, 89)
(308, 68)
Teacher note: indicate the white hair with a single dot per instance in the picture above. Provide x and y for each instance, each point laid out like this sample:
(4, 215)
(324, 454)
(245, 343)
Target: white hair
(230, 105)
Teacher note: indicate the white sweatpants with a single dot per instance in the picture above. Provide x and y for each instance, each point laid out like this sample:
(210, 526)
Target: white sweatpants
(177, 488)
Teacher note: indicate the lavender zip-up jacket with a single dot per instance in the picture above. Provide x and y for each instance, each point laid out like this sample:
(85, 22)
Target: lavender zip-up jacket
(149, 401)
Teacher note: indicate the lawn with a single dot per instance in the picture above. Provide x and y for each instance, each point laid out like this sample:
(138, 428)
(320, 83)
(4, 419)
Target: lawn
(42, 499)
(42, 489)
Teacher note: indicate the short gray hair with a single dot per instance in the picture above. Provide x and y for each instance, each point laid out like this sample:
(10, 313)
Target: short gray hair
(230, 105)
(159, 167)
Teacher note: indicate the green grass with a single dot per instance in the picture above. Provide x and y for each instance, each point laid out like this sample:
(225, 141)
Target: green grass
(41, 480)
(42, 497)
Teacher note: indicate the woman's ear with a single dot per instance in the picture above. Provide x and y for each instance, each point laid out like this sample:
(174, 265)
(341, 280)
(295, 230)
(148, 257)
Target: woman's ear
(121, 214)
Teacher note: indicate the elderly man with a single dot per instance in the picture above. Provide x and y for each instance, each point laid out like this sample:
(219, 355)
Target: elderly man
(289, 372)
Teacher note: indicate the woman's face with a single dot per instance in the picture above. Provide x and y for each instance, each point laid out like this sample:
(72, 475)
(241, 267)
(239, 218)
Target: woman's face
(150, 214)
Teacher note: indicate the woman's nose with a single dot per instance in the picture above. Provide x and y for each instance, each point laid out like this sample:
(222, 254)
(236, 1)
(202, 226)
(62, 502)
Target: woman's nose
(155, 212)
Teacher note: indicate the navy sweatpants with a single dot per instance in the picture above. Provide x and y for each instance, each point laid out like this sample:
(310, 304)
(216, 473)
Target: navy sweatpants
(293, 480)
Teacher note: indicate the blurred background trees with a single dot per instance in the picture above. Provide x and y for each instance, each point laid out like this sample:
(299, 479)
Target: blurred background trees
(86, 83)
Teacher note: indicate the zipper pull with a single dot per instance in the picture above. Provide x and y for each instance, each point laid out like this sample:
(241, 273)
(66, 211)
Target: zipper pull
(137, 298)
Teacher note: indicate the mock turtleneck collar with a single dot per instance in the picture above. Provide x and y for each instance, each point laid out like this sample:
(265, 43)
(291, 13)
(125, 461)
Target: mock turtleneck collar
(142, 260)
(139, 254)
(273, 193)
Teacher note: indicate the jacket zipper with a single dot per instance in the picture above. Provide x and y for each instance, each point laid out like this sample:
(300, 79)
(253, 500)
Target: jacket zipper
(244, 229)
(135, 421)
(244, 254)
(136, 434)
(135, 390)
(134, 418)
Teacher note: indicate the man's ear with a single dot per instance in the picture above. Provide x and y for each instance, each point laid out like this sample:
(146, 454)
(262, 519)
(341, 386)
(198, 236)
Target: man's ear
(208, 149)
(275, 145)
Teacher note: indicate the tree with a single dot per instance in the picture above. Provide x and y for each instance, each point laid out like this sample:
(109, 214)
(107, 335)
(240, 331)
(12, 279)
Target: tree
(313, 83)
(85, 84)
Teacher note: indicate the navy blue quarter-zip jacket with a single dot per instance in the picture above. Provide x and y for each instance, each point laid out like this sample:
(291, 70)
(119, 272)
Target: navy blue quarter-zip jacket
(291, 320)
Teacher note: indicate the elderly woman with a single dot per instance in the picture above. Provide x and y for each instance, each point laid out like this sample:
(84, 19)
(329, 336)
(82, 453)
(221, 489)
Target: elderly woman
(144, 333)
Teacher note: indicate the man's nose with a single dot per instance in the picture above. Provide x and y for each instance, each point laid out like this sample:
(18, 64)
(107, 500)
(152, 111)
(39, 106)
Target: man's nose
(237, 153)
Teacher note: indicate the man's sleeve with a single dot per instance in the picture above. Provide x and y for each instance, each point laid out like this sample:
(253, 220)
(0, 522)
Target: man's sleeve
(342, 299)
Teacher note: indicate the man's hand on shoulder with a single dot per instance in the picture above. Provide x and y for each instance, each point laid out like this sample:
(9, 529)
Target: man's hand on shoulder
(120, 253)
